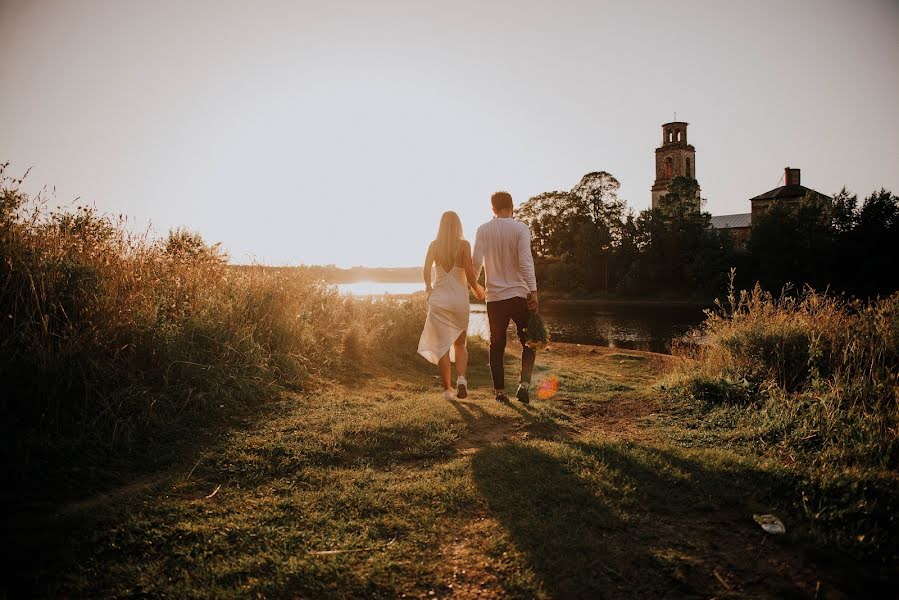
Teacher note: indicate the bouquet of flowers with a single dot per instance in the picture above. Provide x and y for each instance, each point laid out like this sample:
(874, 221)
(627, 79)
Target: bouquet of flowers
(537, 336)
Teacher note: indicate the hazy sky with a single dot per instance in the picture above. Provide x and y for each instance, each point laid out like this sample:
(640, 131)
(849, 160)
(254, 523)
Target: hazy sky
(338, 132)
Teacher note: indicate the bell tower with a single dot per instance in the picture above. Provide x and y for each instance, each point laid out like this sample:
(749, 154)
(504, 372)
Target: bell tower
(674, 158)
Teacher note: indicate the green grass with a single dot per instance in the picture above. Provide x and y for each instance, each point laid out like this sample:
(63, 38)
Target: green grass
(174, 427)
(807, 381)
(591, 493)
(109, 337)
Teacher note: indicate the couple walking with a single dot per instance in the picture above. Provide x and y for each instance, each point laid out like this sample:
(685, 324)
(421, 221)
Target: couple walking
(503, 248)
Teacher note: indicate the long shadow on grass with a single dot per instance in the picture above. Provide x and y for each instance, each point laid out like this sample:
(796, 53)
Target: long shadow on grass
(551, 515)
(630, 520)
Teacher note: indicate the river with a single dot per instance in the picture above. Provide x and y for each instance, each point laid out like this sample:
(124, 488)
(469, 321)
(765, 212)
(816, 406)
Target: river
(636, 326)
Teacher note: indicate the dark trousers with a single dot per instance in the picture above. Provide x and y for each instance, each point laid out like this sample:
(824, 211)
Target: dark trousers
(498, 315)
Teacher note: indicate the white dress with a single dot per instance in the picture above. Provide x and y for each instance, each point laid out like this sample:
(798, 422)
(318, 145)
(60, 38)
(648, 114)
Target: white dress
(447, 314)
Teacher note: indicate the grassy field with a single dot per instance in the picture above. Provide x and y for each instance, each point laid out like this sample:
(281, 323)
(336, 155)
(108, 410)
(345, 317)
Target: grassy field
(376, 487)
(171, 426)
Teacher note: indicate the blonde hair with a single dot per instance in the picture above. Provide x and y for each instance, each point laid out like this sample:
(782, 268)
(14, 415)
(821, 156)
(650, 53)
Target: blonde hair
(449, 235)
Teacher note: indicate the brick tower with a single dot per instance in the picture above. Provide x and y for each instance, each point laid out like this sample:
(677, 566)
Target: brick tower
(674, 158)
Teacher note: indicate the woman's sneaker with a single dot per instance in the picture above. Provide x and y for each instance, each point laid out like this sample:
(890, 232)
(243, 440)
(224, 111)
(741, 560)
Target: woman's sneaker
(448, 395)
(461, 388)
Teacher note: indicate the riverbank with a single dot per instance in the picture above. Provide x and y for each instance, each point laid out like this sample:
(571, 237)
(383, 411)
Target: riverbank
(370, 485)
(406, 289)
(649, 325)
(566, 299)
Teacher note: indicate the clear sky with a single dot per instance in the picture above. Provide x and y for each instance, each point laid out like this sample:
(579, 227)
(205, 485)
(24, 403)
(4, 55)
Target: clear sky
(338, 132)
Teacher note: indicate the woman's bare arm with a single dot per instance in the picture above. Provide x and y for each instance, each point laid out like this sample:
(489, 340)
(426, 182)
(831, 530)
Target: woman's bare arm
(467, 265)
(470, 272)
(426, 271)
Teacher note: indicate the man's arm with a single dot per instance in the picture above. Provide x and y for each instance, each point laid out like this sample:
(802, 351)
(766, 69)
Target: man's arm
(477, 257)
(526, 264)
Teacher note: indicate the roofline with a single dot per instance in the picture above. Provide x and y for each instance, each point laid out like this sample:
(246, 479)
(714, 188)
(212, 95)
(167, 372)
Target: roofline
(807, 190)
(731, 215)
(667, 145)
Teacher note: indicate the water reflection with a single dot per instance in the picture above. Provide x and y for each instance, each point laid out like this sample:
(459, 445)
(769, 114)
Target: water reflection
(631, 326)
(647, 327)
(376, 288)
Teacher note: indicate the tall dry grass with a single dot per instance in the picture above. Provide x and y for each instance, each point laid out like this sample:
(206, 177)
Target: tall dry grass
(106, 334)
(810, 381)
(823, 370)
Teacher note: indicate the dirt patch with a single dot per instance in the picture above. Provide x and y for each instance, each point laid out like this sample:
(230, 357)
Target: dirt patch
(623, 357)
(618, 416)
(725, 553)
(465, 560)
(484, 429)
(653, 359)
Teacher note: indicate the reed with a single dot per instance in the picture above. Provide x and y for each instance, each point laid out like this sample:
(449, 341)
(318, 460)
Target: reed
(810, 381)
(822, 369)
(106, 333)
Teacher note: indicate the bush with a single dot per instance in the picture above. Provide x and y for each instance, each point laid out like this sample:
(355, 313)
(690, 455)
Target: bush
(106, 334)
(810, 381)
(706, 390)
(836, 359)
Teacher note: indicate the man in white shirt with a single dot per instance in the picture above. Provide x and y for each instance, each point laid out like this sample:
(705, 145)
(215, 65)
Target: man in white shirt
(503, 247)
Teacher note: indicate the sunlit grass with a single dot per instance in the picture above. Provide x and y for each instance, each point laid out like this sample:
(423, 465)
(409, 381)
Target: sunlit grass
(174, 426)
(107, 335)
(810, 381)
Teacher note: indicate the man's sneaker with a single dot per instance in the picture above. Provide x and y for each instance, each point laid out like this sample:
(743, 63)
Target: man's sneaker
(522, 395)
(501, 397)
(461, 388)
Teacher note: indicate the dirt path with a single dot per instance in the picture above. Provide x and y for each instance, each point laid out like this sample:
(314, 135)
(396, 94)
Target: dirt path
(484, 429)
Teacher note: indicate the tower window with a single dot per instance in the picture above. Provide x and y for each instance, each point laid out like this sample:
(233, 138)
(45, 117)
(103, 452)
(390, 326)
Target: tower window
(669, 167)
(678, 135)
(689, 174)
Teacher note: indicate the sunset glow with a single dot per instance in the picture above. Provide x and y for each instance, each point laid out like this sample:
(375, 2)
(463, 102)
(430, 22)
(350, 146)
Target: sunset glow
(339, 132)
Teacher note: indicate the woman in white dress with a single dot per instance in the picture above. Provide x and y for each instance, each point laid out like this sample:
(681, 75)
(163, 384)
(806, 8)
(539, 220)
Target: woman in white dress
(443, 339)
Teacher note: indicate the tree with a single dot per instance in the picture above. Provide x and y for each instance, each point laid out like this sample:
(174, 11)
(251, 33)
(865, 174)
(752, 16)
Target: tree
(581, 228)
(546, 214)
(829, 243)
(596, 198)
(795, 244)
(678, 252)
(602, 218)
(682, 198)
(874, 240)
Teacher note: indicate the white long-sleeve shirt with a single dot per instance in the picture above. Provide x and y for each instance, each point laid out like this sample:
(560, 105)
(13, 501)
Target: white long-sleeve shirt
(503, 247)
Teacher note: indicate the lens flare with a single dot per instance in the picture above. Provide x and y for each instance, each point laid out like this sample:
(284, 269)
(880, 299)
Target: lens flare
(547, 388)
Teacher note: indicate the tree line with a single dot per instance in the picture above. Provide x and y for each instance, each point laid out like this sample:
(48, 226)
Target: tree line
(587, 241)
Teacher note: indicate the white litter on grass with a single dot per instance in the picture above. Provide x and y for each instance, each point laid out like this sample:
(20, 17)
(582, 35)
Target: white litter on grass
(770, 523)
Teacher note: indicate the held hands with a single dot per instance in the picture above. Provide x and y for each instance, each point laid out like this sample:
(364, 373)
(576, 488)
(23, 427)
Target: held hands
(532, 302)
(478, 291)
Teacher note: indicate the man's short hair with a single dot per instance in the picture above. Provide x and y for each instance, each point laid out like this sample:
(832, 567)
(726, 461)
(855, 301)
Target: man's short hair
(501, 201)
